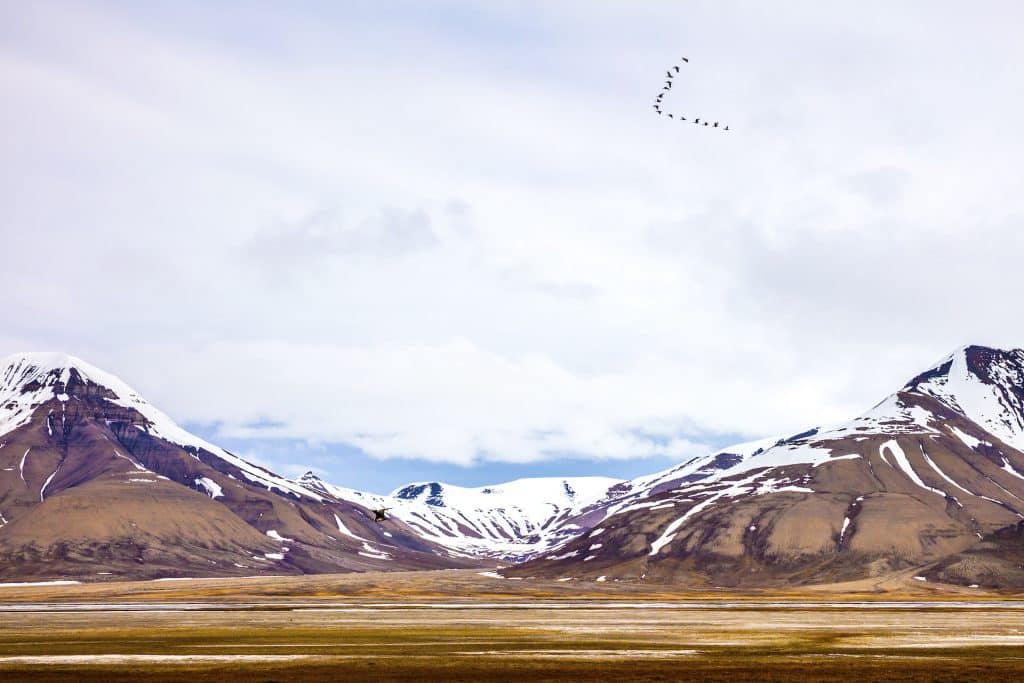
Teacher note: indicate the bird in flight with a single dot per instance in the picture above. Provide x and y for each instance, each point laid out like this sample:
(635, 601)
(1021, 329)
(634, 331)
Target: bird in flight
(667, 88)
(672, 72)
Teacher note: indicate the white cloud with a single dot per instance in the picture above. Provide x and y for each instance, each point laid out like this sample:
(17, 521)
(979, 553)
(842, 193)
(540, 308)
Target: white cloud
(470, 237)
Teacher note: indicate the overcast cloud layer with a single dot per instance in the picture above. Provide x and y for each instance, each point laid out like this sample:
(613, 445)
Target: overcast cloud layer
(459, 233)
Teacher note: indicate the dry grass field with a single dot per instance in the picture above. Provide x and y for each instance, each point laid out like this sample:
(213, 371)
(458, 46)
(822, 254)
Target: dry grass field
(458, 625)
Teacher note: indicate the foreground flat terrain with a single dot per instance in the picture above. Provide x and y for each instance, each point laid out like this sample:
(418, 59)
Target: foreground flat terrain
(462, 626)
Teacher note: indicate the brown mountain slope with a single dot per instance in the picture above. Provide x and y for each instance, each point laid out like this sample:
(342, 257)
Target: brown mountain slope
(93, 480)
(922, 477)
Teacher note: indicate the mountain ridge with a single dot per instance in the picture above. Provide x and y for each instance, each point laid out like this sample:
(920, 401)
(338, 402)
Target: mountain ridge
(93, 477)
(932, 476)
(927, 474)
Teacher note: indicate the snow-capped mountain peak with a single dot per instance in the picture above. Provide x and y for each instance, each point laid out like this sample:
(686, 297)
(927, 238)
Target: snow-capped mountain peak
(563, 493)
(984, 385)
(512, 521)
(942, 457)
(28, 380)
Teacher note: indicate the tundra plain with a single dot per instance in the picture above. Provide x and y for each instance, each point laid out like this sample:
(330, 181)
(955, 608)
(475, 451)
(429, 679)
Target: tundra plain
(461, 625)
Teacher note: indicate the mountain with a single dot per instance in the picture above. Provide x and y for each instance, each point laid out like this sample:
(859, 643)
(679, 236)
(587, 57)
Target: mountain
(932, 477)
(512, 521)
(96, 481)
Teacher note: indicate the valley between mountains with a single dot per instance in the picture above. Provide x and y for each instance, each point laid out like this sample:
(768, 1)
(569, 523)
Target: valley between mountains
(98, 484)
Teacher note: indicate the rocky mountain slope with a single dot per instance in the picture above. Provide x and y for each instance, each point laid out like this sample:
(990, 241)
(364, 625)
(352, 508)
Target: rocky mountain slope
(95, 481)
(931, 477)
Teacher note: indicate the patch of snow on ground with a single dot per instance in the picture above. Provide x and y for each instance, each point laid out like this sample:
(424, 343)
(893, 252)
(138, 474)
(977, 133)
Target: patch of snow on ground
(851, 456)
(904, 465)
(21, 465)
(213, 489)
(493, 575)
(670, 531)
(135, 464)
(1008, 468)
(371, 552)
(278, 537)
(968, 440)
(345, 530)
(942, 474)
(42, 490)
(38, 583)
(572, 553)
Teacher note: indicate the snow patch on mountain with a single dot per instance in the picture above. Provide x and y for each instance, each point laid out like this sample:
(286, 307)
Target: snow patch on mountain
(212, 488)
(345, 530)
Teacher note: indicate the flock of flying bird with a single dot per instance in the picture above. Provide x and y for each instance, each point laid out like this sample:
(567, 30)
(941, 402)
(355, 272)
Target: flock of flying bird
(671, 73)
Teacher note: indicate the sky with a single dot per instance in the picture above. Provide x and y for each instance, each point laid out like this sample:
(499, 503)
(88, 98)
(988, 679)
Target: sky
(407, 241)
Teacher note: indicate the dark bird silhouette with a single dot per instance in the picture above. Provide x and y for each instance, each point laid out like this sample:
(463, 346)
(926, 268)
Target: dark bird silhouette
(716, 124)
(676, 68)
(705, 123)
(669, 74)
(682, 118)
(727, 128)
(380, 515)
(671, 117)
(696, 120)
(686, 60)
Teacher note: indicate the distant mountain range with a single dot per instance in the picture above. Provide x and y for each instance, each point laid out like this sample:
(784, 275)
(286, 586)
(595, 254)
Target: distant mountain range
(97, 483)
